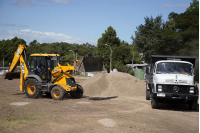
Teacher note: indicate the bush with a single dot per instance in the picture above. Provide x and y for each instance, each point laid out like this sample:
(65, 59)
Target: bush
(78, 73)
(123, 68)
(131, 72)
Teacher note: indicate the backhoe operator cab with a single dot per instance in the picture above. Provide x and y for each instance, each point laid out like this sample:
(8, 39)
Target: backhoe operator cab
(171, 78)
(43, 64)
(44, 74)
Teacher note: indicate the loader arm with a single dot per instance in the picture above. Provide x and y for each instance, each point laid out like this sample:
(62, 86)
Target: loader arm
(19, 58)
(16, 58)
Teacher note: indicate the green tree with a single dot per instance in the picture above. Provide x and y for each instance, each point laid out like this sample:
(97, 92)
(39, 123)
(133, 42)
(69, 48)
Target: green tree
(137, 57)
(184, 34)
(8, 48)
(110, 38)
(148, 39)
(121, 50)
(122, 54)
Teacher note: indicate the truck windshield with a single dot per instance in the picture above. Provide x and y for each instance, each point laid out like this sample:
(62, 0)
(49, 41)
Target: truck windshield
(171, 67)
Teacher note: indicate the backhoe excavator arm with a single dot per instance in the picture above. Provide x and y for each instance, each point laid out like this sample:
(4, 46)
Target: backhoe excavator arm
(19, 57)
(16, 58)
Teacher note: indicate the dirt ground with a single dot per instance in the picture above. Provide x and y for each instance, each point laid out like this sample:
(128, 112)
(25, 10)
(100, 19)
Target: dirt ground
(112, 113)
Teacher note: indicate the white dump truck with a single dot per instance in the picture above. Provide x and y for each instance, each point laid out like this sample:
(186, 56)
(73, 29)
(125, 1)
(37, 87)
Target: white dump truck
(171, 78)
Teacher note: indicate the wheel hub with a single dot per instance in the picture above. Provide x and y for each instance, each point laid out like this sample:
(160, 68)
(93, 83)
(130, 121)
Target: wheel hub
(57, 93)
(32, 89)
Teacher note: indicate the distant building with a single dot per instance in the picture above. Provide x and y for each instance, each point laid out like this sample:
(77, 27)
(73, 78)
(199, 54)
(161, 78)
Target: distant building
(137, 66)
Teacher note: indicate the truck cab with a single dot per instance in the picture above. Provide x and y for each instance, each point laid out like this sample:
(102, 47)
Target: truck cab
(171, 78)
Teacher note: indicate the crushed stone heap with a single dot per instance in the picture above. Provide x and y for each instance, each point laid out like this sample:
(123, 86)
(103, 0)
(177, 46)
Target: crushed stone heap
(114, 84)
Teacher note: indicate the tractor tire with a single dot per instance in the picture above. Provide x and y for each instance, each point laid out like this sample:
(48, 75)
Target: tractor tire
(147, 93)
(78, 93)
(193, 105)
(57, 93)
(154, 103)
(33, 88)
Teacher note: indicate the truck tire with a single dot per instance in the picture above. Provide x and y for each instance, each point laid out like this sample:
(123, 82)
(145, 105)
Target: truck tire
(154, 103)
(147, 93)
(78, 93)
(33, 88)
(57, 93)
(193, 105)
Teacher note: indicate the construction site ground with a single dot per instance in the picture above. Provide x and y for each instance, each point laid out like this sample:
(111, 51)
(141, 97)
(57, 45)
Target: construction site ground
(112, 103)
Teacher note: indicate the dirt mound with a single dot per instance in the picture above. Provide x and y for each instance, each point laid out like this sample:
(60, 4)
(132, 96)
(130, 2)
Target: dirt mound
(114, 84)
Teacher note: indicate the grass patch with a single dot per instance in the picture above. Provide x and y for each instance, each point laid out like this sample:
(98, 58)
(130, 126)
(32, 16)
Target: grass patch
(14, 122)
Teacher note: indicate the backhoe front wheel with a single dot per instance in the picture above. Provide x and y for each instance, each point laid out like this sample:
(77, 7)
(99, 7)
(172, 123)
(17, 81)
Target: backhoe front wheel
(57, 93)
(78, 93)
(33, 88)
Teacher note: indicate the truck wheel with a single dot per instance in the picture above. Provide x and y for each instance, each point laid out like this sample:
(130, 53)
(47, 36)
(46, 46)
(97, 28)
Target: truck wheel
(193, 105)
(147, 93)
(78, 93)
(154, 103)
(33, 88)
(57, 93)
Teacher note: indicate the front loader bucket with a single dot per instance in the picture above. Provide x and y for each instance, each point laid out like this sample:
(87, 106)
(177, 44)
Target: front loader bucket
(90, 64)
(11, 75)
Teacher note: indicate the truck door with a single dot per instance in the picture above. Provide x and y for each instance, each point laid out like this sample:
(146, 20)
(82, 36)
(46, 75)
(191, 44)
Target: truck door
(154, 79)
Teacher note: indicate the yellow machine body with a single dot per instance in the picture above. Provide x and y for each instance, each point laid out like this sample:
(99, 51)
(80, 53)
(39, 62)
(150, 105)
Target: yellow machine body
(43, 72)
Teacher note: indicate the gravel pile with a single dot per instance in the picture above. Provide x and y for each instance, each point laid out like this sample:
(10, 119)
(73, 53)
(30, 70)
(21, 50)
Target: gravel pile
(114, 84)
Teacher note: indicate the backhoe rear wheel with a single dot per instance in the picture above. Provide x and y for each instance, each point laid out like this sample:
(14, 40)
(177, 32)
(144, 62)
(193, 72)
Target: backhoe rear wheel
(33, 88)
(57, 93)
(78, 93)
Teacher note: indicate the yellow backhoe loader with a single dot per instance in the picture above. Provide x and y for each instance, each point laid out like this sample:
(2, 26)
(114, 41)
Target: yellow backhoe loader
(44, 74)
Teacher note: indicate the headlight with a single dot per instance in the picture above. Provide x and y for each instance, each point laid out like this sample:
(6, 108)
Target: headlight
(191, 89)
(159, 87)
(56, 70)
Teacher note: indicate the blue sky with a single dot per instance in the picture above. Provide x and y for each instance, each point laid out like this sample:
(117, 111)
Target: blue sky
(79, 21)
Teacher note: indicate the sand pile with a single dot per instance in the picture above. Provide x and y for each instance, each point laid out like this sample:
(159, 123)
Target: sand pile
(114, 84)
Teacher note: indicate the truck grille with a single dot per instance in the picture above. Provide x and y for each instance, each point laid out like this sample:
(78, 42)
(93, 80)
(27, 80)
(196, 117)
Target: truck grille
(71, 82)
(173, 89)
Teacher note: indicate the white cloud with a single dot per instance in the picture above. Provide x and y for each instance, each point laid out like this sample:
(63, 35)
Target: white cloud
(43, 37)
(178, 5)
(57, 1)
(23, 3)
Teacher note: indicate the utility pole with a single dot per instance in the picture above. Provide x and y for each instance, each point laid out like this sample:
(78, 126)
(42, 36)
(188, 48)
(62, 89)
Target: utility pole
(132, 60)
(74, 59)
(110, 57)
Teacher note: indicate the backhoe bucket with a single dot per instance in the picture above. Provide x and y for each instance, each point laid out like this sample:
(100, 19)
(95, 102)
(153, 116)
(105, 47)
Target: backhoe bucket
(11, 75)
